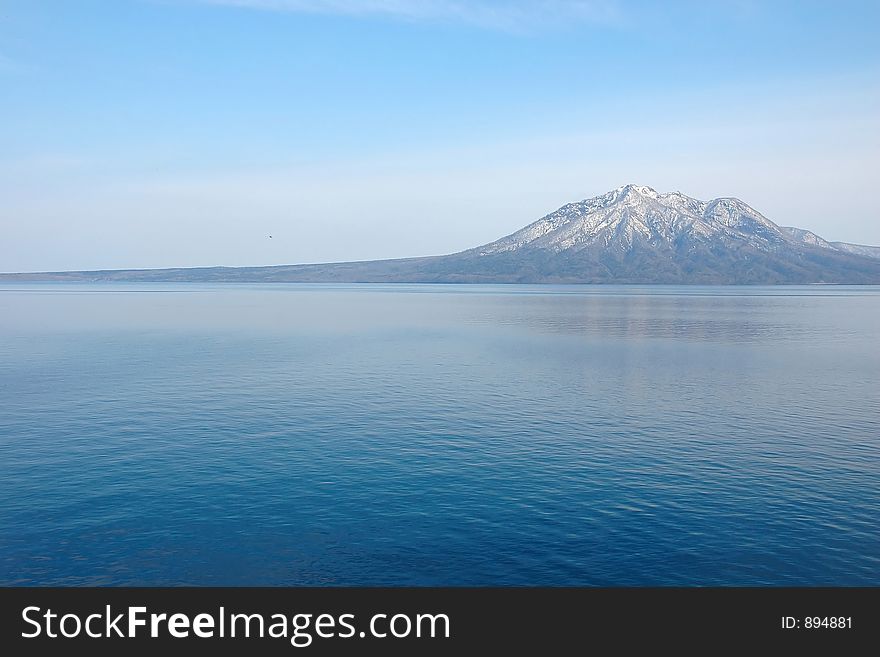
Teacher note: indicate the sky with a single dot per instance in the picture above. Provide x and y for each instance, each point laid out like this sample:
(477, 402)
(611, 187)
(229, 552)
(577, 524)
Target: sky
(156, 133)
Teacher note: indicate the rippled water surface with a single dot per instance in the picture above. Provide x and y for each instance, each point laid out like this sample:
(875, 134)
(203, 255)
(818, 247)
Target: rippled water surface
(314, 434)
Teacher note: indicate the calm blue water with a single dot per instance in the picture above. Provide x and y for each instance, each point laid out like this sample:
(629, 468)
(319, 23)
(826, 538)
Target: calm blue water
(457, 435)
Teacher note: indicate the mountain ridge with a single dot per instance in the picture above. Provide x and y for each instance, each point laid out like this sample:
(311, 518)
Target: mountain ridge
(632, 234)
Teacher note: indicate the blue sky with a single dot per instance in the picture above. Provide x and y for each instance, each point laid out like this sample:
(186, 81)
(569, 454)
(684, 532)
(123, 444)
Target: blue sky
(142, 133)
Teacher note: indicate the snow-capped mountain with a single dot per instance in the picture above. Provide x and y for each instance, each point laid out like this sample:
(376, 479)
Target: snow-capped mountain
(635, 215)
(808, 237)
(632, 234)
(635, 234)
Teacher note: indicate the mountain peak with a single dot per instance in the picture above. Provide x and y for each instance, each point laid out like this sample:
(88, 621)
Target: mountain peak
(641, 189)
(635, 233)
(637, 216)
(630, 189)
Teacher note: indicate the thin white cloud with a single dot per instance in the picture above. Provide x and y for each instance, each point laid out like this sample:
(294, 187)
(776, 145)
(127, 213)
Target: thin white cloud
(514, 15)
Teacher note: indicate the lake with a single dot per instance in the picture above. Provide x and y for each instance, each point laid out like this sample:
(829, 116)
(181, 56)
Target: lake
(172, 434)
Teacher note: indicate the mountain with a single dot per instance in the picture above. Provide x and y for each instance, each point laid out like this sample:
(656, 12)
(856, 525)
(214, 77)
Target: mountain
(807, 237)
(858, 249)
(632, 234)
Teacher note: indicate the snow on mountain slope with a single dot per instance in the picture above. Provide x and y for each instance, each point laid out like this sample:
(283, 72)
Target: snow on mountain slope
(634, 214)
(858, 249)
(808, 237)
